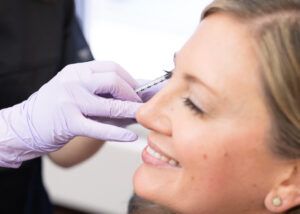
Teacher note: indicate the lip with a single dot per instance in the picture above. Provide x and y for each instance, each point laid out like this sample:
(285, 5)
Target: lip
(157, 149)
(150, 160)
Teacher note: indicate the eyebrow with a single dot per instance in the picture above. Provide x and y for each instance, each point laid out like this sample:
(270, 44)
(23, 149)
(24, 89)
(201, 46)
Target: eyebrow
(194, 79)
(191, 78)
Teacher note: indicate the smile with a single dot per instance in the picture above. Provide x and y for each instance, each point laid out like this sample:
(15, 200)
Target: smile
(154, 157)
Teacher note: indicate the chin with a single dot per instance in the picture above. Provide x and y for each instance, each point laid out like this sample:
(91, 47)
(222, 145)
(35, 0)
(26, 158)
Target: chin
(146, 184)
(140, 182)
(149, 186)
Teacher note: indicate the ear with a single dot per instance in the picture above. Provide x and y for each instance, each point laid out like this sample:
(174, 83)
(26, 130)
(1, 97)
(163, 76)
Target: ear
(286, 194)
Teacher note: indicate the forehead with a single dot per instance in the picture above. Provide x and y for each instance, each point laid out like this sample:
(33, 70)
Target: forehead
(221, 53)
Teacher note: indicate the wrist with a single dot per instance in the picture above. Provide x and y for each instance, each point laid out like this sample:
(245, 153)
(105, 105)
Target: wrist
(16, 140)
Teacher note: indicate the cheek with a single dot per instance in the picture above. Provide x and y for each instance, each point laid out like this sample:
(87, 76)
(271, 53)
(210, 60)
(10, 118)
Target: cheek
(207, 168)
(215, 158)
(204, 164)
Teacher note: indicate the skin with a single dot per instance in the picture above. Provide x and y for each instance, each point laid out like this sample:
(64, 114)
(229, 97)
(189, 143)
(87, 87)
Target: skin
(76, 151)
(226, 165)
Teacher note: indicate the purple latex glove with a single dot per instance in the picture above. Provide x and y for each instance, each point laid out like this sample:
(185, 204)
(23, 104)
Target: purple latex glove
(63, 108)
(149, 93)
(144, 95)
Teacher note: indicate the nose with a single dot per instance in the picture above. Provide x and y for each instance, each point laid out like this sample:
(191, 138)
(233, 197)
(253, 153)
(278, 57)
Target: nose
(155, 114)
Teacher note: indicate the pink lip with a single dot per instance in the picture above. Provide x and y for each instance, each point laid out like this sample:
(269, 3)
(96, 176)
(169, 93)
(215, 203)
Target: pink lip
(157, 149)
(148, 159)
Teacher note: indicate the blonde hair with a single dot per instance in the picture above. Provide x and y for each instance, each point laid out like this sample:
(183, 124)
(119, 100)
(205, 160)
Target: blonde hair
(275, 25)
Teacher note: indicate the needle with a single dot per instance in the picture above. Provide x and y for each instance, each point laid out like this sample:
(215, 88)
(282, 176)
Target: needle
(154, 82)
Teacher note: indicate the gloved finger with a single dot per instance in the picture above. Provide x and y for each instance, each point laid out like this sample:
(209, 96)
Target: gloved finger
(102, 131)
(109, 66)
(109, 108)
(120, 122)
(111, 83)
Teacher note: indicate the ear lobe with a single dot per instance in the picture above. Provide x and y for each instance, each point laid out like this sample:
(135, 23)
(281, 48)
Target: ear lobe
(285, 196)
(277, 202)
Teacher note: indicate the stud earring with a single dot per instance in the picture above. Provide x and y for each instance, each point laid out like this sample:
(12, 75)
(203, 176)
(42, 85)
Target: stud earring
(277, 201)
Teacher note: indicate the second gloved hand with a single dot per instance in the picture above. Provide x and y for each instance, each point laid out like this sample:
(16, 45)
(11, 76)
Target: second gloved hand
(63, 108)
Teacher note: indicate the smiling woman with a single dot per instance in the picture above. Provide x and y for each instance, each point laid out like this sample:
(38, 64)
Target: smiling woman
(225, 131)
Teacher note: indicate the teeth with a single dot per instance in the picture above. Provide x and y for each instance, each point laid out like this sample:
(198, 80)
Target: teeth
(157, 155)
(161, 157)
(165, 159)
(173, 162)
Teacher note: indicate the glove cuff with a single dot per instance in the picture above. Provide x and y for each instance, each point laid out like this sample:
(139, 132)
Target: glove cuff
(17, 142)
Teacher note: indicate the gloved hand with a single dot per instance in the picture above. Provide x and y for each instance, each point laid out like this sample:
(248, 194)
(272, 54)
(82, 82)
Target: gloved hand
(63, 108)
(150, 92)
(144, 95)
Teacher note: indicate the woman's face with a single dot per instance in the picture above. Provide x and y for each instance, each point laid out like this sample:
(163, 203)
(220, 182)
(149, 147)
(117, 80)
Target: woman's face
(207, 150)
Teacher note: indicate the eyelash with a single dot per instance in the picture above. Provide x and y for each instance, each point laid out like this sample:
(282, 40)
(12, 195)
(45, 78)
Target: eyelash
(187, 101)
(170, 72)
(193, 107)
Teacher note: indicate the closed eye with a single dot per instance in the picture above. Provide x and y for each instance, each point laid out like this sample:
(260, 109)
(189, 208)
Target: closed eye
(193, 107)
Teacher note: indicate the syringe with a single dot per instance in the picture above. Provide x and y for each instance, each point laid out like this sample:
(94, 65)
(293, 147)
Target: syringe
(154, 82)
